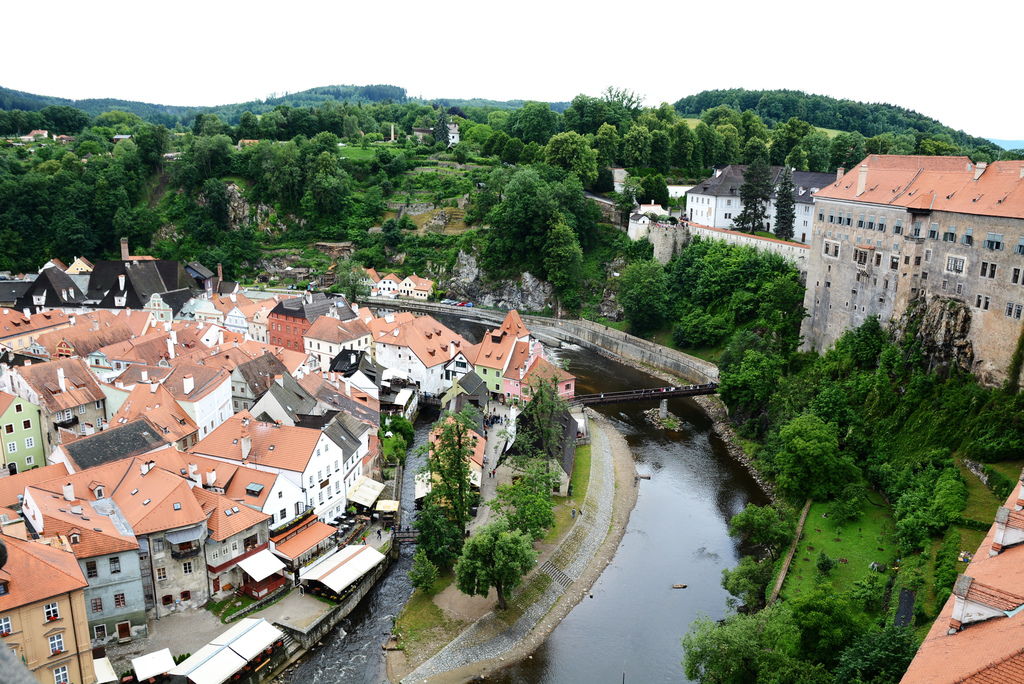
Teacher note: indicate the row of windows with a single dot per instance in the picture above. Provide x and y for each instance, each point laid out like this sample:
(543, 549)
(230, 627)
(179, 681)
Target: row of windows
(96, 604)
(186, 567)
(114, 564)
(25, 425)
(12, 447)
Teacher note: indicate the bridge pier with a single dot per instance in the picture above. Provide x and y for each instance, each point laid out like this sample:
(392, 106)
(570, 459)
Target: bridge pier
(663, 409)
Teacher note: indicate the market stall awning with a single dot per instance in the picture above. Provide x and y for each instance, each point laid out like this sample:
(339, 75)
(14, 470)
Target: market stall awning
(387, 506)
(311, 535)
(343, 567)
(249, 636)
(153, 664)
(210, 665)
(365, 491)
(104, 670)
(261, 565)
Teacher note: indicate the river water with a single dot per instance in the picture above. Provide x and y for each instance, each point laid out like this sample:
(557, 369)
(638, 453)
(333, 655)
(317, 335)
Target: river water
(630, 629)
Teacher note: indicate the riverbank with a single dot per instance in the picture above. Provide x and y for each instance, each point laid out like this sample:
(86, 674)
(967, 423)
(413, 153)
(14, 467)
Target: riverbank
(490, 644)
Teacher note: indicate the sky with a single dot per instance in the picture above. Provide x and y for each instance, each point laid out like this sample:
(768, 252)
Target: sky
(935, 61)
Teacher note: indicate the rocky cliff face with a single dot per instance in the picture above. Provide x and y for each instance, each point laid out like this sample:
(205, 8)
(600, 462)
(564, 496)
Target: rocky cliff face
(526, 294)
(942, 326)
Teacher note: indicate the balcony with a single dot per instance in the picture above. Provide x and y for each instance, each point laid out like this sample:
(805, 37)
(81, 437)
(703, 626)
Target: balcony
(70, 422)
(183, 554)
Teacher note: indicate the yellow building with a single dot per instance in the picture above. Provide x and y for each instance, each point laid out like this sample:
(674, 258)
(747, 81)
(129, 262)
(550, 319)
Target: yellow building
(78, 266)
(42, 611)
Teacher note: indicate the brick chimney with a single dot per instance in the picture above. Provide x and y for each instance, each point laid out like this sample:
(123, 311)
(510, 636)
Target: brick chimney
(862, 179)
(124, 249)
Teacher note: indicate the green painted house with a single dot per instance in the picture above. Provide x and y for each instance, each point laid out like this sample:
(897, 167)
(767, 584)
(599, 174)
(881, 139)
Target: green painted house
(21, 438)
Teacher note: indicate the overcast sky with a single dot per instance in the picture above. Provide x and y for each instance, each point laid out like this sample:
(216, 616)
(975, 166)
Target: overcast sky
(219, 51)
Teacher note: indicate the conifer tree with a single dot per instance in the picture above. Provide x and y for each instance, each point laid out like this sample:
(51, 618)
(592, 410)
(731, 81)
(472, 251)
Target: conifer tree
(785, 208)
(754, 194)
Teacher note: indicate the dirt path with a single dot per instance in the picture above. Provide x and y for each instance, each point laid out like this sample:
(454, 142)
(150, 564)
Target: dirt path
(501, 647)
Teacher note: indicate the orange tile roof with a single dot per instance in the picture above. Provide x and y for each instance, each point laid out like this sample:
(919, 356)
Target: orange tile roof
(37, 571)
(431, 341)
(241, 478)
(156, 404)
(1007, 671)
(204, 381)
(541, 368)
(513, 324)
(80, 386)
(90, 332)
(276, 446)
(979, 646)
(5, 401)
(96, 531)
(13, 485)
(161, 489)
(517, 364)
(935, 183)
(226, 517)
(372, 273)
(14, 323)
(494, 349)
(305, 540)
(332, 330)
(225, 303)
(479, 444)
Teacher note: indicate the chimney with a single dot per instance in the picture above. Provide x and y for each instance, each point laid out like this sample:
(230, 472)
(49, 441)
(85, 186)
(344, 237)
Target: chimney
(120, 283)
(60, 380)
(840, 172)
(71, 320)
(170, 349)
(220, 337)
(144, 467)
(211, 477)
(124, 249)
(233, 297)
(188, 383)
(246, 446)
(26, 312)
(862, 179)
(279, 379)
(979, 169)
(152, 387)
(220, 272)
(145, 375)
(1022, 171)
(69, 492)
(174, 337)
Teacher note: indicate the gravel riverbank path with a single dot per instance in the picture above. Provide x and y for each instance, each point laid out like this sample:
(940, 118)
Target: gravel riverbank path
(491, 638)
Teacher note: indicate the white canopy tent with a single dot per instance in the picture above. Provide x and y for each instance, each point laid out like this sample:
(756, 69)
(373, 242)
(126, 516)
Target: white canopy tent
(365, 491)
(343, 567)
(261, 565)
(249, 636)
(153, 664)
(210, 665)
(104, 670)
(387, 506)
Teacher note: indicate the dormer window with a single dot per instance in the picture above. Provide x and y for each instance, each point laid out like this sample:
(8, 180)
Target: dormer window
(39, 300)
(4, 588)
(76, 538)
(99, 492)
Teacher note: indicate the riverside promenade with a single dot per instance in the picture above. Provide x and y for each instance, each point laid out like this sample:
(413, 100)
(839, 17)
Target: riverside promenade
(568, 573)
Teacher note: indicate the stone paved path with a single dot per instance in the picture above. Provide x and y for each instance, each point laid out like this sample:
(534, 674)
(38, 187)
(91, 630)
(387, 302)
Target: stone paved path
(489, 637)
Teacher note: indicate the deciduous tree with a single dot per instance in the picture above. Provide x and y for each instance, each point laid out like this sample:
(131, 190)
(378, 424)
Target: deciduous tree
(494, 557)
(643, 293)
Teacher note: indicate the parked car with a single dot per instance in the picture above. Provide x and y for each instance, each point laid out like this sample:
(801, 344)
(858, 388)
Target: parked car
(468, 303)
(461, 304)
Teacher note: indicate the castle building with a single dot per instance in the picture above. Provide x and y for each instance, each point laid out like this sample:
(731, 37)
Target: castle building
(941, 237)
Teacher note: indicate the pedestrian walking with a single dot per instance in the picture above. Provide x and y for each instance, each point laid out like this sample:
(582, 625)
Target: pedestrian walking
(574, 514)
(378, 534)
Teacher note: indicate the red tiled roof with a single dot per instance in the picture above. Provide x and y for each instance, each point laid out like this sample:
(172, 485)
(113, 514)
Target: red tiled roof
(80, 386)
(97, 533)
(37, 571)
(226, 517)
(13, 485)
(276, 446)
(305, 540)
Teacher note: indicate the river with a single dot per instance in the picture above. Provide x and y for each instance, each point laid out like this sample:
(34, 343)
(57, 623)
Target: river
(631, 629)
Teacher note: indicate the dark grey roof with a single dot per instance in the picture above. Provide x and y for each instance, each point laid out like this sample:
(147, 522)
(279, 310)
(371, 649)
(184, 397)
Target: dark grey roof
(345, 431)
(259, 373)
(226, 287)
(197, 270)
(176, 299)
(312, 306)
(473, 384)
(57, 288)
(348, 361)
(291, 397)
(729, 179)
(142, 280)
(113, 444)
(12, 290)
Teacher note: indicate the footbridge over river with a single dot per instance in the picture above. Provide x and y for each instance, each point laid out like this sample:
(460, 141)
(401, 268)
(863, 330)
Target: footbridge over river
(647, 394)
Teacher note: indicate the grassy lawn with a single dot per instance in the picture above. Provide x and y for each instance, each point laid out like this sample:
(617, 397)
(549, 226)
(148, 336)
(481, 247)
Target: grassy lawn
(421, 619)
(229, 606)
(564, 504)
(830, 132)
(243, 183)
(1010, 469)
(981, 502)
(357, 153)
(523, 597)
(867, 539)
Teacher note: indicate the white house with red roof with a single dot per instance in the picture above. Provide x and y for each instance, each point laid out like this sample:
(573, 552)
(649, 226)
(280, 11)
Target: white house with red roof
(415, 287)
(422, 349)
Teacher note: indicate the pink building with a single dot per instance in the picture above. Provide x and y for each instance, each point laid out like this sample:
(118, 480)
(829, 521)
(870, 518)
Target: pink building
(527, 366)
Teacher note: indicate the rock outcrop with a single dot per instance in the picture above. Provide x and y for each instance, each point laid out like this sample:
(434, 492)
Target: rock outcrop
(528, 293)
(942, 326)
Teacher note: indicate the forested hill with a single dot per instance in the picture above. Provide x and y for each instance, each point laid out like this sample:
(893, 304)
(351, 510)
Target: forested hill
(869, 119)
(170, 115)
